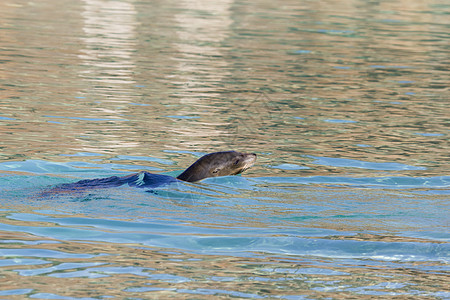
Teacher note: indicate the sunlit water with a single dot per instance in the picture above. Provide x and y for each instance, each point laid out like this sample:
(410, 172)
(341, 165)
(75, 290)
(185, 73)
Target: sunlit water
(345, 103)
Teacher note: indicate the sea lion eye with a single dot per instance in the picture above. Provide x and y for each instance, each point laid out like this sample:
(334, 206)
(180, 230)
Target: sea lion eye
(236, 161)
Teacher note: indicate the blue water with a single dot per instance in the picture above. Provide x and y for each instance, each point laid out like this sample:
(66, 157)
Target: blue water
(344, 102)
(294, 229)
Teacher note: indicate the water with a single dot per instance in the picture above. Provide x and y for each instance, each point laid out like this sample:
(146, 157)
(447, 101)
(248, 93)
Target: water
(345, 103)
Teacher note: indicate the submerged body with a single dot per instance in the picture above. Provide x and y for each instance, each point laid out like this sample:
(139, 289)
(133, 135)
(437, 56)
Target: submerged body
(210, 165)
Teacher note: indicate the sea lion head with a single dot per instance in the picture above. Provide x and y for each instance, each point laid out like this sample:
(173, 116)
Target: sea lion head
(218, 164)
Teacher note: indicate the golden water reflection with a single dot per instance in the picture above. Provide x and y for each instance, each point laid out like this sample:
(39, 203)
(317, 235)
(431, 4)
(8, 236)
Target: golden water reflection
(163, 273)
(109, 41)
(361, 80)
(135, 78)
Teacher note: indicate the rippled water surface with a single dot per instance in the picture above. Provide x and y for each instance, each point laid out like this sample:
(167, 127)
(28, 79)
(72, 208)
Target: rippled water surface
(346, 104)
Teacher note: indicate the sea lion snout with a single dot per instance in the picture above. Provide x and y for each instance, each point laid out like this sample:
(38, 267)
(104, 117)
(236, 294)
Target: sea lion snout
(236, 163)
(249, 160)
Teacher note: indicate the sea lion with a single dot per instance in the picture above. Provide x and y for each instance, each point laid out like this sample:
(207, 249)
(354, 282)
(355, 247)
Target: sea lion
(210, 165)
